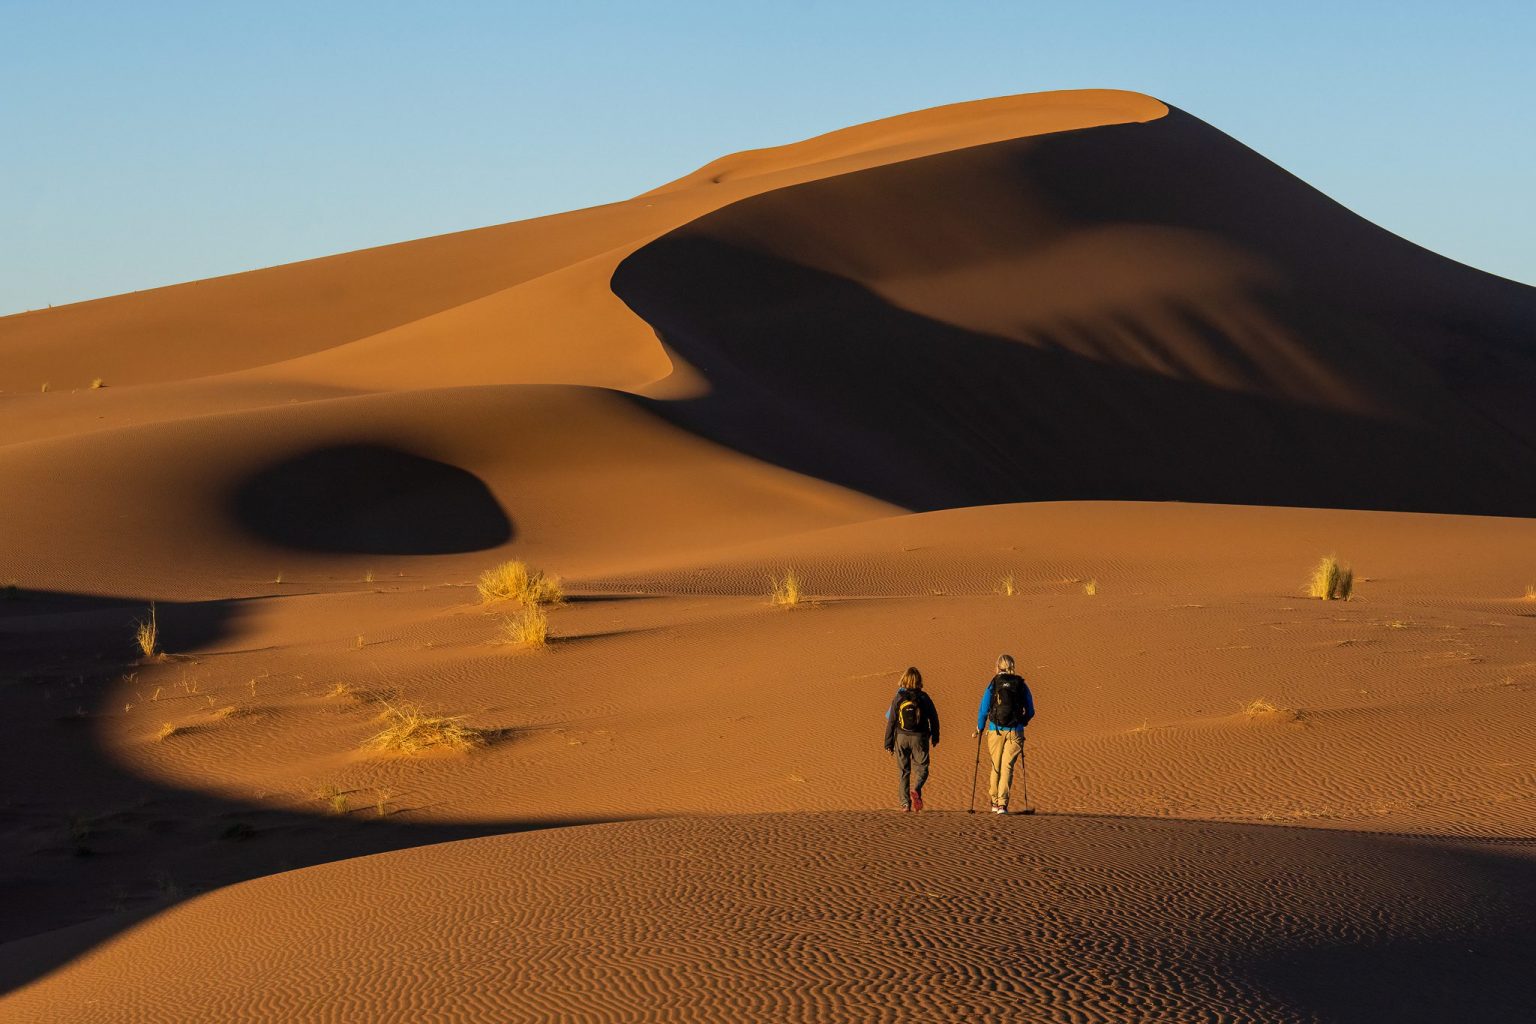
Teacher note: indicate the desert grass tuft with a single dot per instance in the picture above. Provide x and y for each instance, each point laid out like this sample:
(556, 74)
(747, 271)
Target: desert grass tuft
(528, 628)
(45, 387)
(408, 729)
(1261, 708)
(1331, 581)
(167, 730)
(1091, 587)
(1530, 591)
(97, 383)
(786, 589)
(1009, 586)
(516, 581)
(148, 634)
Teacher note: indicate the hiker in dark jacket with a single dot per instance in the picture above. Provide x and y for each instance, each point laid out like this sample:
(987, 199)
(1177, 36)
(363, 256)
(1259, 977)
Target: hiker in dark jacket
(911, 725)
(1006, 708)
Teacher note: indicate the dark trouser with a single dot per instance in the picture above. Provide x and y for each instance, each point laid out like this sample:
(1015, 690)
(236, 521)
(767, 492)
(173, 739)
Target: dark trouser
(912, 762)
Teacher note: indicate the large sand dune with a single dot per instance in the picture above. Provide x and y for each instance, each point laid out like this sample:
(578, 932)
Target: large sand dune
(922, 362)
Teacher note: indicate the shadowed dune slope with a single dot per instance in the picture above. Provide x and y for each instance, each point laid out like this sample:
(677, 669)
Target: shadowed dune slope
(1130, 311)
(850, 917)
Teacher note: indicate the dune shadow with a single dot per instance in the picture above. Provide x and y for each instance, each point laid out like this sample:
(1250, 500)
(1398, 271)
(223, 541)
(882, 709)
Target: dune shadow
(813, 370)
(88, 849)
(369, 498)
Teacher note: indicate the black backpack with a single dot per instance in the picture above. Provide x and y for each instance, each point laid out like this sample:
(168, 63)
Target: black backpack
(909, 711)
(1007, 701)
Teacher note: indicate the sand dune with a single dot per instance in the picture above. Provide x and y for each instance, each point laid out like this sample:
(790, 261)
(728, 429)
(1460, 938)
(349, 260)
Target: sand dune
(923, 363)
(939, 918)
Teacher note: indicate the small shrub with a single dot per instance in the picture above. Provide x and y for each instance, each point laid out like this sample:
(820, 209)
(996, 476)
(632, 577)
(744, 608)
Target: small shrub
(1530, 591)
(528, 628)
(1331, 581)
(786, 591)
(148, 634)
(97, 383)
(167, 730)
(1091, 588)
(410, 730)
(516, 581)
(1008, 587)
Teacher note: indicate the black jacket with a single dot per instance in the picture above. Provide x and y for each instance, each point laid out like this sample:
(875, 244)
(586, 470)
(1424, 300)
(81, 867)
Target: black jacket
(930, 718)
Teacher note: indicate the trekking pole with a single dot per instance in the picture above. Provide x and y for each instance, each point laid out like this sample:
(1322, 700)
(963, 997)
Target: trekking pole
(976, 766)
(1028, 807)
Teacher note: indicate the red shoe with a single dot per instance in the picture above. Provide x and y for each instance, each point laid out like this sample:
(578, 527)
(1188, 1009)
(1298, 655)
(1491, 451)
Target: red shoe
(917, 800)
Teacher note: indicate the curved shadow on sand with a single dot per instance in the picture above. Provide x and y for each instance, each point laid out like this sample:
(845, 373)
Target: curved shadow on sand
(370, 498)
(812, 370)
(86, 848)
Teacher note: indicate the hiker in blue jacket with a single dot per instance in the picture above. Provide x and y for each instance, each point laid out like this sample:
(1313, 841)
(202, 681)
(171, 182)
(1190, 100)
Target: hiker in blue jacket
(1006, 708)
(911, 725)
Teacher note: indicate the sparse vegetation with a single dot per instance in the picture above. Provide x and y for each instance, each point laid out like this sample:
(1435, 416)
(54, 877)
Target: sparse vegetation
(1261, 709)
(340, 690)
(1008, 587)
(516, 581)
(45, 387)
(358, 644)
(786, 592)
(167, 730)
(278, 579)
(230, 711)
(1530, 591)
(336, 798)
(97, 383)
(148, 634)
(408, 729)
(1331, 581)
(368, 576)
(1091, 587)
(528, 628)
(381, 798)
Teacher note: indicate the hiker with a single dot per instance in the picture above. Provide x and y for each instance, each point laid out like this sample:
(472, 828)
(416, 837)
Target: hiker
(911, 725)
(1006, 708)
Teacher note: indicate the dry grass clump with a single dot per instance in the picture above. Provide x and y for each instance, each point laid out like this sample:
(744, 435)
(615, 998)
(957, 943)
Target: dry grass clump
(1331, 581)
(97, 383)
(1091, 587)
(516, 581)
(1530, 591)
(1009, 586)
(408, 729)
(786, 590)
(148, 635)
(528, 628)
(167, 730)
(1265, 710)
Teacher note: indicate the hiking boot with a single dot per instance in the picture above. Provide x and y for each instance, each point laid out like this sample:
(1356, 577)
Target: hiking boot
(999, 809)
(917, 800)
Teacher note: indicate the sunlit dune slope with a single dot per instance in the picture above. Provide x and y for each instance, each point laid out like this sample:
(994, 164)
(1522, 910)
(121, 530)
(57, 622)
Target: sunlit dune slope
(1144, 310)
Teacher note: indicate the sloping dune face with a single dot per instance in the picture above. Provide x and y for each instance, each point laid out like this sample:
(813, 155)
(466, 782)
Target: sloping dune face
(1145, 310)
(931, 919)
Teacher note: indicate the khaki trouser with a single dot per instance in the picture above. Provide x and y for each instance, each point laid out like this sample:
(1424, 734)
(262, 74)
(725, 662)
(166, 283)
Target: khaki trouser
(1004, 748)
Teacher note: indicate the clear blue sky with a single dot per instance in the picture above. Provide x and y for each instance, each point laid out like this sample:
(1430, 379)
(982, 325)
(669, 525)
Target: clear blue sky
(156, 142)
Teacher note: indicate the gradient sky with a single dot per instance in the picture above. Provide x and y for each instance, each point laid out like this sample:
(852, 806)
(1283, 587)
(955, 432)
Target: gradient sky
(146, 144)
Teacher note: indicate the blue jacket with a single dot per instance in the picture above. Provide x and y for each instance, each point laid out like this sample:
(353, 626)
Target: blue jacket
(986, 705)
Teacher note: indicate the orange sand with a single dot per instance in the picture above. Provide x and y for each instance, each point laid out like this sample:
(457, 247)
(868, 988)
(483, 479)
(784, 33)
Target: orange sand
(1057, 338)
